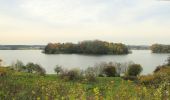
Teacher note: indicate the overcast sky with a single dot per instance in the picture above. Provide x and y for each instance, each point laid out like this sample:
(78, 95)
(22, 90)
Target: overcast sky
(42, 21)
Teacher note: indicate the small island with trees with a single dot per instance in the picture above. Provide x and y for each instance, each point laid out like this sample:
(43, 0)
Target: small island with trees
(160, 48)
(86, 47)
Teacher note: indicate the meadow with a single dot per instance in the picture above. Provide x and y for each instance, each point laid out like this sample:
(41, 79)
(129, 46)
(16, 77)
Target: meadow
(28, 86)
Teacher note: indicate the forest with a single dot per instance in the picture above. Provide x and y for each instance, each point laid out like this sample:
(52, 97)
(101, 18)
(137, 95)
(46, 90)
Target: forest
(160, 48)
(87, 47)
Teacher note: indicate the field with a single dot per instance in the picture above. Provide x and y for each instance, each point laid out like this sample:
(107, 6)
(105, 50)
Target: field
(26, 86)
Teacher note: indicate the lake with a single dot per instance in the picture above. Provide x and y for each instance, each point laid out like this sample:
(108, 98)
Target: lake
(148, 60)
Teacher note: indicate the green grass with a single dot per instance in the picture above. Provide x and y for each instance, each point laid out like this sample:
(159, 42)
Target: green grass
(19, 84)
(25, 86)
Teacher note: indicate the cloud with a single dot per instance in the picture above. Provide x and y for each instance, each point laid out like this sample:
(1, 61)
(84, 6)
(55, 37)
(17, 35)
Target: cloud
(85, 19)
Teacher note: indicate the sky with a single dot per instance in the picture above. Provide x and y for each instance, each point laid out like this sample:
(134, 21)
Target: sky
(133, 22)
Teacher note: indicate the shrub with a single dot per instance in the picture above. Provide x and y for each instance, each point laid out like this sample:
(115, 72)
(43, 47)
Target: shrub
(39, 70)
(90, 74)
(158, 68)
(146, 79)
(30, 67)
(72, 75)
(3, 71)
(132, 78)
(18, 66)
(134, 70)
(58, 69)
(90, 77)
(121, 68)
(35, 68)
(161, 75)
(110, 71)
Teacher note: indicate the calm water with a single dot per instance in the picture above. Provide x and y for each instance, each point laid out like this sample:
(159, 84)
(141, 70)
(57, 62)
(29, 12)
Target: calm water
(147, 59)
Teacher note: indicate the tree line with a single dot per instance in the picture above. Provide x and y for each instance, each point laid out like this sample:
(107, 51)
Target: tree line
(30, 67)
(160, 48)
(87, 47)
(125, 70)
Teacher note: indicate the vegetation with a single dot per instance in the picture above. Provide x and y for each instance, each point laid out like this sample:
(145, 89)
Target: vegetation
(58, 69)
(161, 74)
(117, 69)
(29, 86)
(134, 70)
(87, 47)
(0, 62)
(160, 48)
(75, 84)
(73, 74)
(110, 71)
(168, 61)
(29, 67)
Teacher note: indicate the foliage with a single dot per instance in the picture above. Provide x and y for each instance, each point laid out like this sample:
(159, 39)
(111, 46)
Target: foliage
(164, 66)
(168, 61)
(58, 69)
(158, 68)
(98, 69)
(18, 66)
(90, 78)
(87, 47)
(132, 78)
(147, 79)
(20, 85)
(39, 70)
(73, 74)
(160, 48)
(29, 67)
(159, 76)
(90, 74)
(134, 70)
(3, 71)
(27, 86)
(110, 71)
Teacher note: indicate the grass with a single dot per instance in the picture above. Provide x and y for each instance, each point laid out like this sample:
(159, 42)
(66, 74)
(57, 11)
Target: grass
(25, 86)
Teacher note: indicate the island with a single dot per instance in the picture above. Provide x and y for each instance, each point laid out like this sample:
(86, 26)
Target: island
(160, 48)
(86, 47)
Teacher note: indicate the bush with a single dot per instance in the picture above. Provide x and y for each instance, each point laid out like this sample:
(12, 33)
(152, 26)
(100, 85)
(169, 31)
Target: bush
(110, 71)
(147, 79)
(134, 70)
(72, 75)
(3, 72)
(90, 74)
(58, 69)
(90, 77)
(158, 68)
(132, 78)
(18, 66)
(30, 67)
(161, 74)
(39, 70)
(34, 68)
(121, 68)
